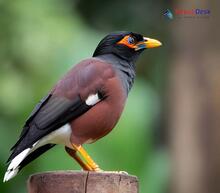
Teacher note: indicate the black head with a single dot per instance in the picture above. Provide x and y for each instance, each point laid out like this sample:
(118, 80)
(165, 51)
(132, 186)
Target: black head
(126, 45)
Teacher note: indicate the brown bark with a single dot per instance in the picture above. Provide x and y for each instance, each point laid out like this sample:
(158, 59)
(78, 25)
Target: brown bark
(82, 182)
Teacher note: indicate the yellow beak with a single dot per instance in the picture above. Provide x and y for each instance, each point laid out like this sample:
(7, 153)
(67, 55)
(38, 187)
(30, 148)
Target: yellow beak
(148, 43)
(151, 43)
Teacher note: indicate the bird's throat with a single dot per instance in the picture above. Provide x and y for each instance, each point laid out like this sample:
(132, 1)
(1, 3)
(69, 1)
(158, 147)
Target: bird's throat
(125, 69)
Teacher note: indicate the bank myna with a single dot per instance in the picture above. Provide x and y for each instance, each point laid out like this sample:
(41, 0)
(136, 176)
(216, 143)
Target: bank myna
(84, 105)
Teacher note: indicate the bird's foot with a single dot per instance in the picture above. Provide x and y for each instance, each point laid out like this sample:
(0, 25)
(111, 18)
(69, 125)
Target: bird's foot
(116, 172)
(98, 170)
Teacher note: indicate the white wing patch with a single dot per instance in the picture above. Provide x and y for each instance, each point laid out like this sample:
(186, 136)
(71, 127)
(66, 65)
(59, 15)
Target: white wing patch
(92, 99)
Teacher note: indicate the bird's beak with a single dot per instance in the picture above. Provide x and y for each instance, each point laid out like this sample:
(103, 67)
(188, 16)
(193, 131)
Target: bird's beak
(148, 43)
(151, 43)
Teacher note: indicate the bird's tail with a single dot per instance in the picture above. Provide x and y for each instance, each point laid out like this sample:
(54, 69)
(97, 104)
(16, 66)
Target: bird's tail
(13, 167)
(24, 158)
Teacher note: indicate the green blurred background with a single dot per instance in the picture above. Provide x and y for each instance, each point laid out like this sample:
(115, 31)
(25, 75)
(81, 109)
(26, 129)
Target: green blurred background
(41, 40)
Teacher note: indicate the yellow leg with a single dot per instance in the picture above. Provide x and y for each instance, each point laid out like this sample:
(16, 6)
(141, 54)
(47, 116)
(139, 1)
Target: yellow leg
(86, 157)
(74, 155)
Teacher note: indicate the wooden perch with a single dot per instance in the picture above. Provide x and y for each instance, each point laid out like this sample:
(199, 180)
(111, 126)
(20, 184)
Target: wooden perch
(82, 182)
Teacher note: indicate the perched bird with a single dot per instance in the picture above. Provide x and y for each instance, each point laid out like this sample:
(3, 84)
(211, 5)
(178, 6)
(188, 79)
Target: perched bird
(84, 105)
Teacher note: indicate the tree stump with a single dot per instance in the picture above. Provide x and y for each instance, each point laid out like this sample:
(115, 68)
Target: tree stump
(82, 182)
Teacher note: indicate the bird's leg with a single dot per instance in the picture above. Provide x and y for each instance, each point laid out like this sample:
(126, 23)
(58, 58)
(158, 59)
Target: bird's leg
(86, 157)
(74, 155)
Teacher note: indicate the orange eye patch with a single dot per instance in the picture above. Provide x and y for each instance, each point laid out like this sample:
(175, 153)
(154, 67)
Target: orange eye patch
(128, 41)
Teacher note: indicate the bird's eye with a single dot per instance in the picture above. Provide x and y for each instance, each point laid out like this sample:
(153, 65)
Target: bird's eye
(131, 40)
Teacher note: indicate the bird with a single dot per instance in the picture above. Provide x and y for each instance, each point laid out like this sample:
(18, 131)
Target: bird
(84, 105)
